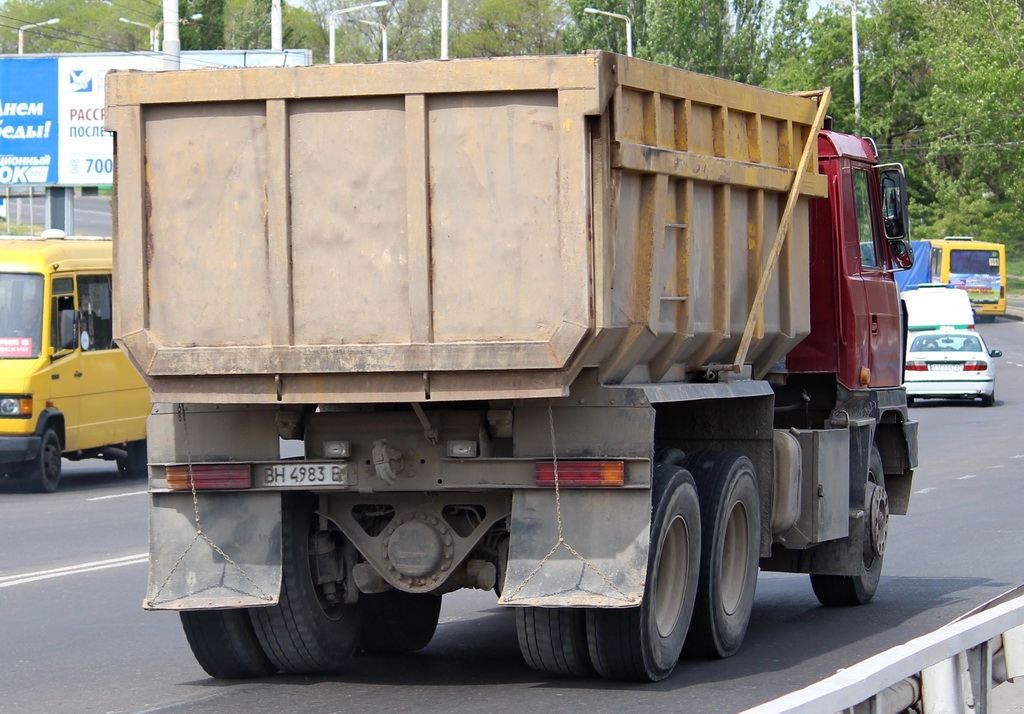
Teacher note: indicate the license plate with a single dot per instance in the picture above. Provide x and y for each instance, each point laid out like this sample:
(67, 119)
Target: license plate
(302, 475)
(947, 367)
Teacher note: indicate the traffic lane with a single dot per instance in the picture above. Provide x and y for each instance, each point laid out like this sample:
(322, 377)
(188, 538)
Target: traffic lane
(95, 515)
(83, 643)
(970, 481)
(93, 645)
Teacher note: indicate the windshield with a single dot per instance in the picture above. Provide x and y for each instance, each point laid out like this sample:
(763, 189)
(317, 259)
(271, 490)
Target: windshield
(21, 310)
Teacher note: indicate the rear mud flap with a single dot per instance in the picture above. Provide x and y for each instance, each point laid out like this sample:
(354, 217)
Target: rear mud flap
(231, 558)
(597, 557)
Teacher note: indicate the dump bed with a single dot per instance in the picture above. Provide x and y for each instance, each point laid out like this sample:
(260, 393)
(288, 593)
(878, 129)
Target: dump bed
(465, 229)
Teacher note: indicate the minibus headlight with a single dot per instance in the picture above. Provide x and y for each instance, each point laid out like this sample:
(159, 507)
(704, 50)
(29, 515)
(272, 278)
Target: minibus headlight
(15, 406)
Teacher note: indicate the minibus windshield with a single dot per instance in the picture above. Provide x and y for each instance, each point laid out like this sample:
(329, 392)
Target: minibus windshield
(21, 315)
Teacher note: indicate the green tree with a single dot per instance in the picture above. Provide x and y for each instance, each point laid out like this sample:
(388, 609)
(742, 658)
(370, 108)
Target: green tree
(206, 32)
(975, 136)
(247, 26)
(510, 27)
(597, 32)
(83, 26)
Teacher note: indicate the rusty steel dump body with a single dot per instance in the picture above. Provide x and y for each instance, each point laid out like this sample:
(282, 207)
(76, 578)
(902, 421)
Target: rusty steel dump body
(474, 229)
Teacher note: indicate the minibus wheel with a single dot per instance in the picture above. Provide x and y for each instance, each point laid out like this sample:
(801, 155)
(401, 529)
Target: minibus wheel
(43, 471)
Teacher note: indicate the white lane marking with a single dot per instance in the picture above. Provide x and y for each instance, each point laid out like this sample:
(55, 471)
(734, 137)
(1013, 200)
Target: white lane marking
(997, 466)
(1017, 456)
(925, 490)
(118, 495)
(7, 581)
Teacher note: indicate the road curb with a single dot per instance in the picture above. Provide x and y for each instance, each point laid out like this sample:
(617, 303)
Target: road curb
(1014, 313)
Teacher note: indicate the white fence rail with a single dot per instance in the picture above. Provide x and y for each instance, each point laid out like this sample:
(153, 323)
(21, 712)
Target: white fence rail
(949, 671)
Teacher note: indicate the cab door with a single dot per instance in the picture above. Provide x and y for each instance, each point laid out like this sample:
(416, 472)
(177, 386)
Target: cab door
(101, 377)
(58, 383)
(881, 324)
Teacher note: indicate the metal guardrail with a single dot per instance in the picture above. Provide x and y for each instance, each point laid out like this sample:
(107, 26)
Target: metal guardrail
(949, 671)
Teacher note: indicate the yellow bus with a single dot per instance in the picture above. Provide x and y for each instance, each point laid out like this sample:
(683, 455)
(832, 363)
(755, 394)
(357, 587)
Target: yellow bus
(975, 266)
(65, 388)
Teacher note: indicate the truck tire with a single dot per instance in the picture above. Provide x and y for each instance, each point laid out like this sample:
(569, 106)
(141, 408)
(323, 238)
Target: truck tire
(669, 455)
(850, 590)
(43, 471)
(134, 466)
(304, 633)
(396, 621)
(730, 519)
(554, 640)
(225, 644)
(643, 643)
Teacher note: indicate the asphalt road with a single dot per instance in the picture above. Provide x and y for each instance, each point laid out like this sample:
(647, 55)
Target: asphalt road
(77, 640)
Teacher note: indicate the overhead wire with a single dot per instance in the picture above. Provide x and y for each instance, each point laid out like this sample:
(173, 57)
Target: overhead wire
(106, 45)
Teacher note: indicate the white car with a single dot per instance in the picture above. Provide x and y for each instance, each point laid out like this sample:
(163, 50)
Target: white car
(950, 364)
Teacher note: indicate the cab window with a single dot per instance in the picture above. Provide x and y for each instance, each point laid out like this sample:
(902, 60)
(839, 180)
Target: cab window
(869, 257)
(95, 307)
(63, 290)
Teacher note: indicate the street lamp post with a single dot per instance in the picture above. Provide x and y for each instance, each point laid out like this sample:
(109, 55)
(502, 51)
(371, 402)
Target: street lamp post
(852, 4)
(21, 32)
(629, 26)
(154, 32)
(383, 38)
(331, 20)
(444, 29)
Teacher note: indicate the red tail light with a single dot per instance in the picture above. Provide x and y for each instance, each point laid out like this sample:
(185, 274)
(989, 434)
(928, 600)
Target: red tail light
(209, 476)
(582, 473)
(975, 366)
(916, 366)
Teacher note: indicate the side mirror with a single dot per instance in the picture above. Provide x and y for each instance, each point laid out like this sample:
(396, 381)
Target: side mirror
(895, 217)
(995, 353)
(68, 329)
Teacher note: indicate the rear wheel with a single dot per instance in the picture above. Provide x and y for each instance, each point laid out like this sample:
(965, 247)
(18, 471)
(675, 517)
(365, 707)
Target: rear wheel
(43, 471)
(310, 630)
(730, 516)
(396, 621)
(988, 400)
(554, 640)
(643, 643)
(134, 464)
(225, 644)
(848, 590)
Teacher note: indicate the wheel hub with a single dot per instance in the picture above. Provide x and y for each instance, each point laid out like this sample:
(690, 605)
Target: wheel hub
(878, 519)
(419, 549)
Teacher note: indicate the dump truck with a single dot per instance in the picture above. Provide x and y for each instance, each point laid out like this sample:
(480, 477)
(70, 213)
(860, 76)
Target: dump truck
(603, 336)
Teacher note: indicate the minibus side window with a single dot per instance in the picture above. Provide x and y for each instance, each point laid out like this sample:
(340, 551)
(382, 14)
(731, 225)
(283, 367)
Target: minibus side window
(61, 304)
(63, 289)
(95, 307)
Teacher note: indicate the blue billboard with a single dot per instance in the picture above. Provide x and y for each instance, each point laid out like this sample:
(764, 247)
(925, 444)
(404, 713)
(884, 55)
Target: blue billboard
(28, 121)
(52, 110)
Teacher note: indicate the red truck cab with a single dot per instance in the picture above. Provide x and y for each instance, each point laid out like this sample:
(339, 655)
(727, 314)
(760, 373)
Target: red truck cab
(859, 235)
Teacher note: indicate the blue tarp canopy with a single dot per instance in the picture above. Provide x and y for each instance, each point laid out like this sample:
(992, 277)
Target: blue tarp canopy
(921, 271)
